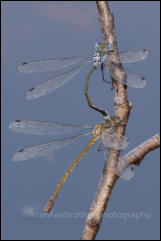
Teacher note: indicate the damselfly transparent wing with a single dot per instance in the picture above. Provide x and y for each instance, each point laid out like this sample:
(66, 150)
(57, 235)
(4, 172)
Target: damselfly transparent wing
(117, 142)
(130, 56)
(50, 64)
(114, 140)
(45, 128)
(119, 168)
(45, 149)
(125, 76)
(126, 173)
(55, 83)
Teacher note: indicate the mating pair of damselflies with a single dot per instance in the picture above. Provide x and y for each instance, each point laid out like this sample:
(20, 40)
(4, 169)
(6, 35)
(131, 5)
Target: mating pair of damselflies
(104, 57)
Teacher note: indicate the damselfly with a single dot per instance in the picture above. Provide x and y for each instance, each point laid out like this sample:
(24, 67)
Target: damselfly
(103, 53)
(104, 131)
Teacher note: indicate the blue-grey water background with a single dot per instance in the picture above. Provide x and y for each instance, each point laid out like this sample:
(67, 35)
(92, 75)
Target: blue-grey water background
(35, 30)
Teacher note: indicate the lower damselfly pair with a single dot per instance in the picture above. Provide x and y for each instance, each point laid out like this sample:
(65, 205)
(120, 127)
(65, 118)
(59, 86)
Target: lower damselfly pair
(104, 57)
(104, 131)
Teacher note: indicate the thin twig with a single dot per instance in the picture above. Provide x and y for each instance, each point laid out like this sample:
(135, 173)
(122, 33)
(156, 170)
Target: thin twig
(122, 110)
(136, 156)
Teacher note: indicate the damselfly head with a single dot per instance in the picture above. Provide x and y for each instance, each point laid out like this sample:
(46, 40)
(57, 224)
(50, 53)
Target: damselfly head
(104, 47)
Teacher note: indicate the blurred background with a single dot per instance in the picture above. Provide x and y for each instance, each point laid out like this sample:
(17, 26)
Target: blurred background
(41, 30)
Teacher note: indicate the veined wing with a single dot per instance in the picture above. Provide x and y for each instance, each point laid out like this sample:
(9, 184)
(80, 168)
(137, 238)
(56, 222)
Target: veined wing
(121, 170)
(127, 78)
(117, 142)
(44, 149)
(120, 167)
(45, 128)
(114, 140)
(133, 55)
(49, 64)
(53, 84)
(130, 56)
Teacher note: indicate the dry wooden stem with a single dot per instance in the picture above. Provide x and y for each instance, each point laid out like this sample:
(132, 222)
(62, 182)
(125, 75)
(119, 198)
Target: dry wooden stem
(122, 110)
(136, 156)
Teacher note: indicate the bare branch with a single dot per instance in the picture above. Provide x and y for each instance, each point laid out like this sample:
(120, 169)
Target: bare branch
(135, 156)
(122, 109)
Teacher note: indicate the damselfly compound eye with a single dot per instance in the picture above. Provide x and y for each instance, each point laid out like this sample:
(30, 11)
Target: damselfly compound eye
(96, 46)
(110, 46)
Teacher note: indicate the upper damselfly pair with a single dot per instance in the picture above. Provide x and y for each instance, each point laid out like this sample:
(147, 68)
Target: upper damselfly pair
(103, 57)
